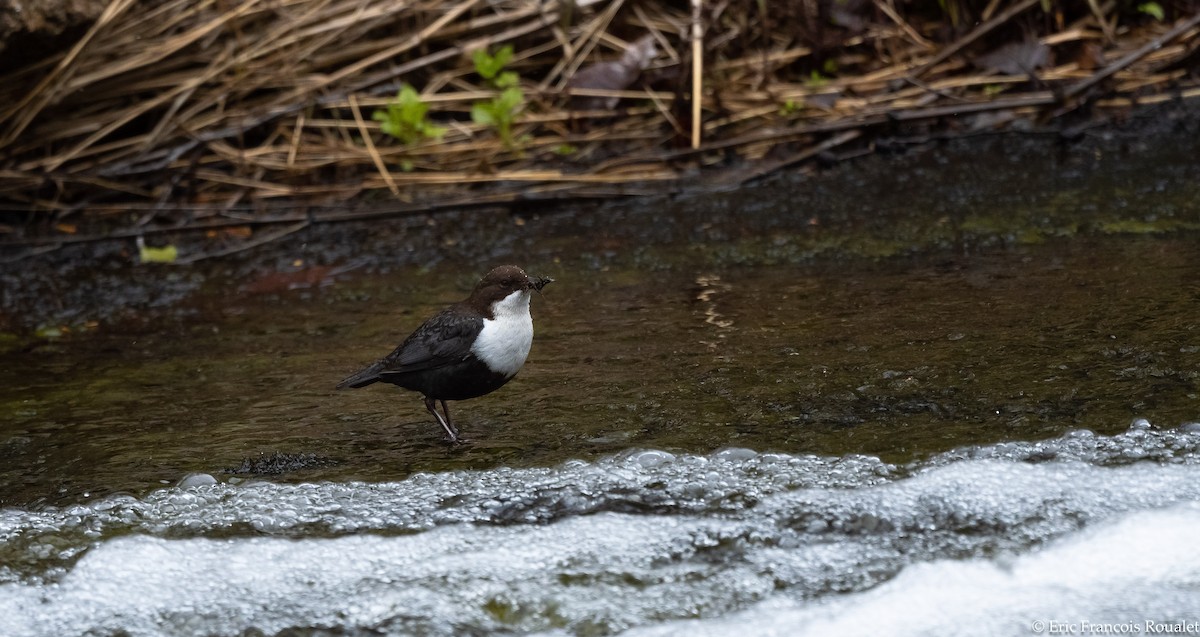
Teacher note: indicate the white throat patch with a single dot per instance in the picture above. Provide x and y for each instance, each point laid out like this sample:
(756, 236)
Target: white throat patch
(504, 342)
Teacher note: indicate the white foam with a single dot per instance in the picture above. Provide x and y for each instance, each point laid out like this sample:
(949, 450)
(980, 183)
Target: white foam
(640, 542)
(1126, 577)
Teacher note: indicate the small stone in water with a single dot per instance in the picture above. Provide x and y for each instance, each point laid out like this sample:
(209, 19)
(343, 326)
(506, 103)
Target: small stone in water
(196, 480)
(735, 454)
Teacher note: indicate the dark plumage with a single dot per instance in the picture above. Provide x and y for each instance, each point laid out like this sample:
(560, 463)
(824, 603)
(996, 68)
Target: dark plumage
(467, 350)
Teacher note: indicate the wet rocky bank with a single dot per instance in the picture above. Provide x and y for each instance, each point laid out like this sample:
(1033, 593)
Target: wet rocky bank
(913, 198)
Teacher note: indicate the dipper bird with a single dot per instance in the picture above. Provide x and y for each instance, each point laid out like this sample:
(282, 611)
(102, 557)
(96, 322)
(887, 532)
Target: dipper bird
(467, 350)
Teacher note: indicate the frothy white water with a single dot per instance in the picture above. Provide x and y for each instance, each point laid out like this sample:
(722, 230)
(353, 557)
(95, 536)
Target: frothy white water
(1137, 575)
(981, 541)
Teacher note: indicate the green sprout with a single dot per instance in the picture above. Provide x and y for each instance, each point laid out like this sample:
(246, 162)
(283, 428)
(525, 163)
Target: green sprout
(501, 110)
(405, 118)
(491, 67)
(1152, 9)
(816, 80)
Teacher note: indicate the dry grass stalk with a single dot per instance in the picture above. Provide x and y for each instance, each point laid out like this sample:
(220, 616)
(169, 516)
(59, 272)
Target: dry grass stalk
(246, 109)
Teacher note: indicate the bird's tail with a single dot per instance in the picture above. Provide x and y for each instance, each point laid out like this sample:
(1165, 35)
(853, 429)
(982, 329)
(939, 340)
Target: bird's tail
(363, 378)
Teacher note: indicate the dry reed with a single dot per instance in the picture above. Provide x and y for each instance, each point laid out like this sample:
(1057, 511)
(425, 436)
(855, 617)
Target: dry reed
(203, 113)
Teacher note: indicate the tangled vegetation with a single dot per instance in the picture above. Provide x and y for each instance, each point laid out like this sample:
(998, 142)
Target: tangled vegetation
(200, 114)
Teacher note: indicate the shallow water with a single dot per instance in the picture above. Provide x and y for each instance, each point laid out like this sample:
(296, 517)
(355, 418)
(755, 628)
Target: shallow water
(981, 540)
(897, 362)
(769, 411)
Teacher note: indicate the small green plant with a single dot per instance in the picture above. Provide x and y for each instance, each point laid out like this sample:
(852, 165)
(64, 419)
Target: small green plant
(816, 80)
(404, 118)
(992, 90)
(790, 106)
(1152, 9)
(491, 67)
(500, 111)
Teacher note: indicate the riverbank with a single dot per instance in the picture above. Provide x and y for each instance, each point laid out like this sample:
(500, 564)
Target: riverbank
(952, 197)
(248, 121)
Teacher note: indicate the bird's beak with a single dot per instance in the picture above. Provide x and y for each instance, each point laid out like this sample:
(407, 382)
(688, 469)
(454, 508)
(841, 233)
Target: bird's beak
(540, 282)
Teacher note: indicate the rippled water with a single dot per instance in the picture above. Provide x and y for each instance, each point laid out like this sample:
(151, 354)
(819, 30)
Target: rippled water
(897, 362)
(774, 412)
(1082, 527)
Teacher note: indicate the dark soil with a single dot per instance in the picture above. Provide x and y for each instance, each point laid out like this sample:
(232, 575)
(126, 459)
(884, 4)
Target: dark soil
(81, 286)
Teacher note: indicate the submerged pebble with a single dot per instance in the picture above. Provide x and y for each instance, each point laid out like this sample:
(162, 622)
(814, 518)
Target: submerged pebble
(196, 480)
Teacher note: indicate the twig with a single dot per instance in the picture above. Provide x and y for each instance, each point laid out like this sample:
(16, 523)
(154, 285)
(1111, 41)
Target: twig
(768, 167)
(245, 245)
(566, 68)
(974, 35)
(1131, 57)
(1098, 13)
(366, 137)
(36, 100)
(697, 70)
(888, 9)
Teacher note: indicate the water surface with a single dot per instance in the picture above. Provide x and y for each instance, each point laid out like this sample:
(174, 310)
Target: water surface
(792, 408)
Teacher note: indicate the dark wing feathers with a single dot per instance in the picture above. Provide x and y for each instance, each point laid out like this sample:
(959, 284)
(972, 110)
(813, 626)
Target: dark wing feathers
(442, 340)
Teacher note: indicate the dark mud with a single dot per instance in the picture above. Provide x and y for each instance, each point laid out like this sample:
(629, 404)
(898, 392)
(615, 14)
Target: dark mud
(915, 198)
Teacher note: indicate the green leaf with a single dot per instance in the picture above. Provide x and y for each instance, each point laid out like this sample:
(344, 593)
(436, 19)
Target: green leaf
(431, 131)
(1152, 9)
(483, 63)
(49, 332)
(487, 66)
(148, 254)
(499, 112)
(510, 99)
(481, 113)
(405, 117)
(503, 56)
(992, 90)
(507, 79)
(408, 95)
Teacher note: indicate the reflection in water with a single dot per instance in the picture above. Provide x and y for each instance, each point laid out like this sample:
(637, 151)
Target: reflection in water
(710, 286)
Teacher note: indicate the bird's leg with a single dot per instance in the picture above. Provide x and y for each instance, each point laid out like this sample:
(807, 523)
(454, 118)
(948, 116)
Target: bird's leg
(449, 420)
(431, 405)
